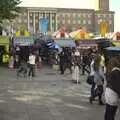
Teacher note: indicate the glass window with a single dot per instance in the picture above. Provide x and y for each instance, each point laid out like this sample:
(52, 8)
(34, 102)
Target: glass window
(31, 21)
(74, 14)
(89, 15)
(69, 21)
(31, 14)
(104, 15)
(89, 21)
(110, 16)
(63, 21)
(19, 20)
(68, 15)
(84, 22)
(79, 21)
(25, 21)
(98, 15)
(74, 21)
(79, 15)
(110, 22)
(84, 15)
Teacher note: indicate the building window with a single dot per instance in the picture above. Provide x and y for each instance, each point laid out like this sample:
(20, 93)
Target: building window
(69, 21)
(84, 15)
(74, 21)
(68, 15)
(89, 15)
(79, 15)
(89, 21)
(79, 21)
(36, 21)
(74, 14)
(63, 21)
(58, 21)
(110, 16)
(25, 21)
(19, 20)
(104, 15)
(98, 15)
(110, 22)
(25, 14)
(31, 21)
(99, 21)
(63, 15)
(31, 14)
(84, 22)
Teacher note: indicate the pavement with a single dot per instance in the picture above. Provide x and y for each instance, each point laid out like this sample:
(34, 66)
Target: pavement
(48, 96)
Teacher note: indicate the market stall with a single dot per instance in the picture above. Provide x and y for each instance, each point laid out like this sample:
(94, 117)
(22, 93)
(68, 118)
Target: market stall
(4, 43)
(65, 43)
(81, 34)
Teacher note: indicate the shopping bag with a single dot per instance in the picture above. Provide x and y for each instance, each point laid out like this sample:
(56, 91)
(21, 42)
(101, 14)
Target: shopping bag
(56, 67)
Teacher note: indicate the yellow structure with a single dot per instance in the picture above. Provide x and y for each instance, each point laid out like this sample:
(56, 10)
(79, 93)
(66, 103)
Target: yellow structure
(103, 28)
(24, 33)
(4, 41)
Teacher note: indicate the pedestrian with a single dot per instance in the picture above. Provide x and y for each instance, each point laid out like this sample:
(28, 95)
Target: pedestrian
(76, 71)
(62, 62)
(98, 81)
(31, 61)
(112, 93)
(22, 68)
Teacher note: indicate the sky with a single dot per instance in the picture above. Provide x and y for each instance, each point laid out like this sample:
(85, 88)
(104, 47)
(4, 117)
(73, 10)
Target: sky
(90, 4)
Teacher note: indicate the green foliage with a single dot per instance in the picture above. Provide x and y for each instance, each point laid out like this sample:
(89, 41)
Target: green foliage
(9, 9)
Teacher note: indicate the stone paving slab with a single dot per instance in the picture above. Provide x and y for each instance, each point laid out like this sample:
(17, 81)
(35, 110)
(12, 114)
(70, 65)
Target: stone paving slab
(49, 96)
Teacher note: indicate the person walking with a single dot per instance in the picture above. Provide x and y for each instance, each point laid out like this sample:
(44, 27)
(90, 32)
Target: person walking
(32, 59)
(112, 93)
(97, 81)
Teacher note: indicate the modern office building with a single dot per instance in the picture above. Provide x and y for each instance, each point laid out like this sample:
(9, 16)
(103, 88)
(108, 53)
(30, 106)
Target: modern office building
(68, 18)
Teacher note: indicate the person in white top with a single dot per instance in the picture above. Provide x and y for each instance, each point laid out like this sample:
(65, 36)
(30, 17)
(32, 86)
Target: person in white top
(32, 59)
(98, 79)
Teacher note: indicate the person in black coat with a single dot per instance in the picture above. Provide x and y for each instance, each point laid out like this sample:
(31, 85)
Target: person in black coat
(112, 93)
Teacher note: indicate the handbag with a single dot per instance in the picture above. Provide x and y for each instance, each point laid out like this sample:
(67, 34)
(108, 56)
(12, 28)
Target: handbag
(56, 67)
(90, 79)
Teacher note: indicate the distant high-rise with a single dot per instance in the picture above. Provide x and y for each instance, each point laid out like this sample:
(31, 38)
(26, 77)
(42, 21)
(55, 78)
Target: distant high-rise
(102, 5)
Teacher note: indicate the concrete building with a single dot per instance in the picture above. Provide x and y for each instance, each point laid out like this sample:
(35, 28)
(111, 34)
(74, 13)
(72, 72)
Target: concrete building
(68, 18)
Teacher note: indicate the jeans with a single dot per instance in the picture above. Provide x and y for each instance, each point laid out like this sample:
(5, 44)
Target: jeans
(31, 70)
(96, 92)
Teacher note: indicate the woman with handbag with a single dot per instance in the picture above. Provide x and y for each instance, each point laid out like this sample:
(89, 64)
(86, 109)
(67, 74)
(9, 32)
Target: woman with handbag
(112, 93)
(98, 80)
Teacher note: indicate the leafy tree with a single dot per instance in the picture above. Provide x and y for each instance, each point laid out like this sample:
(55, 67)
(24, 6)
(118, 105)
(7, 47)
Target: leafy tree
(9, 9)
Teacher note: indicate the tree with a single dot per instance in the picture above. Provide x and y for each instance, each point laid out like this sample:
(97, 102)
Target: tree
(9, 9)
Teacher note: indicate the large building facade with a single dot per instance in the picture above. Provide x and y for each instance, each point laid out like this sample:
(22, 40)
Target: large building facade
(89, 19)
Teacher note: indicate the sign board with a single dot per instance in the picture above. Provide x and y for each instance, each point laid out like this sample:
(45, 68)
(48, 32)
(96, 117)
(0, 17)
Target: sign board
(23, 41)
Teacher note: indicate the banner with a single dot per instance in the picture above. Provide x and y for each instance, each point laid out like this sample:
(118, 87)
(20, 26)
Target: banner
(103, 28)
(43, 25)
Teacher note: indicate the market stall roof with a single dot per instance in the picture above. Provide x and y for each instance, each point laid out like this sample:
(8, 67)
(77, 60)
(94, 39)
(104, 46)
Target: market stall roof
(115, 50)
(87, 43)
(65, 43)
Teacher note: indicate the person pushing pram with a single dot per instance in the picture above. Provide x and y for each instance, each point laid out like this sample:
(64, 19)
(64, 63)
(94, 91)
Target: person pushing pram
(23, 69)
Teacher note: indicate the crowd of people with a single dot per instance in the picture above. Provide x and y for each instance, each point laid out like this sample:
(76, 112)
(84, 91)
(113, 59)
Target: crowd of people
(101, 75)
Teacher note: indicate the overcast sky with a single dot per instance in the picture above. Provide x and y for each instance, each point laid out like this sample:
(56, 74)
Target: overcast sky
(114, 5)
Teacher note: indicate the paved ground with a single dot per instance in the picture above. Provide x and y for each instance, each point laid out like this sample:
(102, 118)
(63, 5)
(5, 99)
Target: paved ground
(49, 96)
